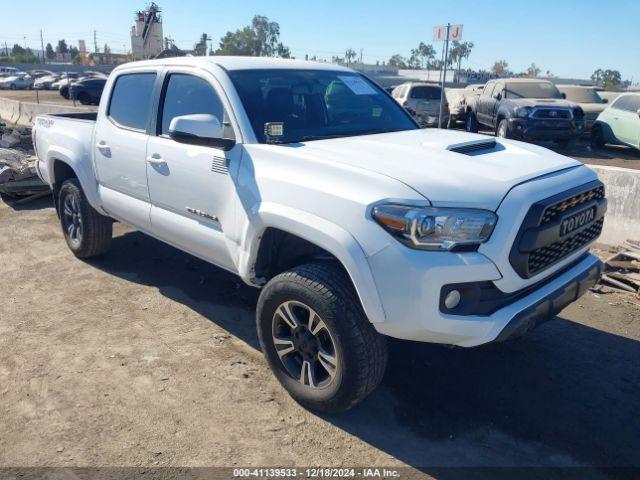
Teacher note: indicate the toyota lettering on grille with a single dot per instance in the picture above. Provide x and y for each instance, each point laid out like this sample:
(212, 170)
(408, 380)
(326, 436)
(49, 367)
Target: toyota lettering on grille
(577, 220)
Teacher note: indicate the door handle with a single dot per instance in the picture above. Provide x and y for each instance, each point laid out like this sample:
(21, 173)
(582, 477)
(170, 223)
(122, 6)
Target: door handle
(102, 145)
(155, 159)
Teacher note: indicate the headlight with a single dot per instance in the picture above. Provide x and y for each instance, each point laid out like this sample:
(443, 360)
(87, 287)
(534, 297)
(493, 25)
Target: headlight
(523, 112)
(431, 228)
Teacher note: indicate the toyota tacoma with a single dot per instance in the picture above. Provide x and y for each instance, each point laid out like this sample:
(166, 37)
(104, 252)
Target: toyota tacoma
(311, 183)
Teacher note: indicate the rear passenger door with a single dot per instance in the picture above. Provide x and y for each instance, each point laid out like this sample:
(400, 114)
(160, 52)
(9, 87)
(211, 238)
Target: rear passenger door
(494, 102)
(120, 143)
(626, 120)
(482, 104)
(192, 187)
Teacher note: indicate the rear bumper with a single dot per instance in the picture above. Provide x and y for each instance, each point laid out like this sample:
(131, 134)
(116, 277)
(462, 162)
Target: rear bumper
(551, 304)
(529, 129)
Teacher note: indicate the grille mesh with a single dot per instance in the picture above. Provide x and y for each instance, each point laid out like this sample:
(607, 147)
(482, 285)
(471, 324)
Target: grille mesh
(545, 256)
(559, 208)
(552, 113)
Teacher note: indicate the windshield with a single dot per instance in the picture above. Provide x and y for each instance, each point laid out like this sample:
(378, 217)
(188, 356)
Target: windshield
(426, 93)
(317, 104)
(581, 94)
(532, 90)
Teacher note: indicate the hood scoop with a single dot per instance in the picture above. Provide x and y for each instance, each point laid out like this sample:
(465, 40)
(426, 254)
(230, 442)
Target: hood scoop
(477, 147)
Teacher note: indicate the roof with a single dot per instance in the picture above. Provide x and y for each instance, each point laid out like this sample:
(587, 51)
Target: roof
(520, 80)
(241, 63)
(419, 84)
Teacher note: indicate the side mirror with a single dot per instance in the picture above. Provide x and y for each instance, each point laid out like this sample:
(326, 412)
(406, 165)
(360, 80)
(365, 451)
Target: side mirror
(199, 129)
(499, 96)
(605, 100)
(564, 95)
(639, 112)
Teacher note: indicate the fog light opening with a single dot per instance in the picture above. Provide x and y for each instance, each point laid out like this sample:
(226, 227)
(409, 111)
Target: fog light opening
(452, 300)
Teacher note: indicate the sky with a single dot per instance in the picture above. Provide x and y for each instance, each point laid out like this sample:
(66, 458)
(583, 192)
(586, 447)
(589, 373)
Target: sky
(569, 38)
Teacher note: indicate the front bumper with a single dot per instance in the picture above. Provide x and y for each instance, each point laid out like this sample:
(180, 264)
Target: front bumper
(533, 129)
(411, 300)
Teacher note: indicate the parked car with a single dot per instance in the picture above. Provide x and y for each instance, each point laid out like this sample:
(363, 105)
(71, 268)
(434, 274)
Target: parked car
(458, 98)
(35, 74)
(64, 79)
(422, 100)
(46, 82)
(608, 95)
(619, 123)
(9, 72)
(19, 82)
(587, 97)
(87, 91)
(526, 109)
(309, 182)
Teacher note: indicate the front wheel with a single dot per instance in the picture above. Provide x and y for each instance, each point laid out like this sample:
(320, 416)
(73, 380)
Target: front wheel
(503, 130)
(317, 340)
(471, 124)
(567, 143)
(597, 137)
(84, 99)
(88, 234)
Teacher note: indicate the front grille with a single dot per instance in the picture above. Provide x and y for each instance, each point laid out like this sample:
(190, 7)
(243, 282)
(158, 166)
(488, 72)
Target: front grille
(553, 211)
(552, 113)
(539, 244)
(543, 257)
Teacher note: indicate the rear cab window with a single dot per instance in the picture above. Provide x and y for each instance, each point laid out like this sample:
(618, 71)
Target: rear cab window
(425, 92)
(131, 100)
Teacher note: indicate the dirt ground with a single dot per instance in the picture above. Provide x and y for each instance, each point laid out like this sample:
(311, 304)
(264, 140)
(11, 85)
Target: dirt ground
(149, 357)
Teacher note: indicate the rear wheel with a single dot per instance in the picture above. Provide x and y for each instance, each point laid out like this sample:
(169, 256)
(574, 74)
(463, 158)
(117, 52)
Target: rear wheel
(88, 234)
(471, 124)
(317, 340)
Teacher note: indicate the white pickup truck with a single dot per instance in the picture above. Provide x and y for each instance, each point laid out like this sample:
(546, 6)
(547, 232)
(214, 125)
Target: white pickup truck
(310, 182)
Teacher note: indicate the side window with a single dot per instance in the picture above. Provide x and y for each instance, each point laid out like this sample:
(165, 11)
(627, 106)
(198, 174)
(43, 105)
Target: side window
(629, 103)
(488, 89)
(497, 90)
(186, 95)
(131, 100)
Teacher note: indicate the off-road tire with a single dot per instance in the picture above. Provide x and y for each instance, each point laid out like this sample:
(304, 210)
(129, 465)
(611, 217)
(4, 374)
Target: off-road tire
(566, 144)
(362, 351)
(471, 123)
(97, 229)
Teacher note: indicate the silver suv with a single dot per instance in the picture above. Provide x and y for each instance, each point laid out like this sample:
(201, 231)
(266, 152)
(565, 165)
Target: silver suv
(422, 100)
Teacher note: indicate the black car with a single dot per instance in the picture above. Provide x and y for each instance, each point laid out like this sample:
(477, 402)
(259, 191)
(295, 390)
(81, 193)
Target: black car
(526, 109)
(87, 91)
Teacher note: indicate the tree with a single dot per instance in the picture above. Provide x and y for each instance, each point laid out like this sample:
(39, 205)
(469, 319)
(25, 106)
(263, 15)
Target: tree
(607, 78)
(500, 67)
(260, 39)
(17, 50)
(49, 53)
(422, 57)
(350, 55)
(533, 71)
(397, 61)
(62, 47)
(458, 52)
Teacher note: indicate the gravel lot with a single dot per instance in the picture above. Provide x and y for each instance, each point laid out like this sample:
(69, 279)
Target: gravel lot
(148, 357)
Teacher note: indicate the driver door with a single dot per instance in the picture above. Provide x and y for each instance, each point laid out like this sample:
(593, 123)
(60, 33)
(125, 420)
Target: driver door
(192, 187)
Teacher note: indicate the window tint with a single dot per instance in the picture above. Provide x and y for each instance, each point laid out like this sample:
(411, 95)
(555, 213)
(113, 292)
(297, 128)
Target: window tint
(131, 100)
(630, 103)
(425, 93)
(532, 90)
(187, 95)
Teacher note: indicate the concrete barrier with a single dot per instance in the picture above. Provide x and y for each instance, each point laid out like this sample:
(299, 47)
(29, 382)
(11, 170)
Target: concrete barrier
(622, 187)
(15, 112)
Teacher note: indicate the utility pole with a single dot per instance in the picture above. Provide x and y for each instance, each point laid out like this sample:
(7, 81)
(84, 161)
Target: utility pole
(360, 56)
(444, 74)
(44, 57)
(95, 42)
(25, 42)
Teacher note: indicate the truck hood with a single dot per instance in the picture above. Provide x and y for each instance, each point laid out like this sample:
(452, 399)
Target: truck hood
(422, 160)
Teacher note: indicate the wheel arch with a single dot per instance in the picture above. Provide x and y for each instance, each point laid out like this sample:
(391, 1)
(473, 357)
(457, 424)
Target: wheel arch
(315, 238)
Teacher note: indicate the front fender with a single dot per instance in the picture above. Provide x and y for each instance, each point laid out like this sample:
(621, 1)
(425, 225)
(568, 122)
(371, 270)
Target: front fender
(321, 232)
